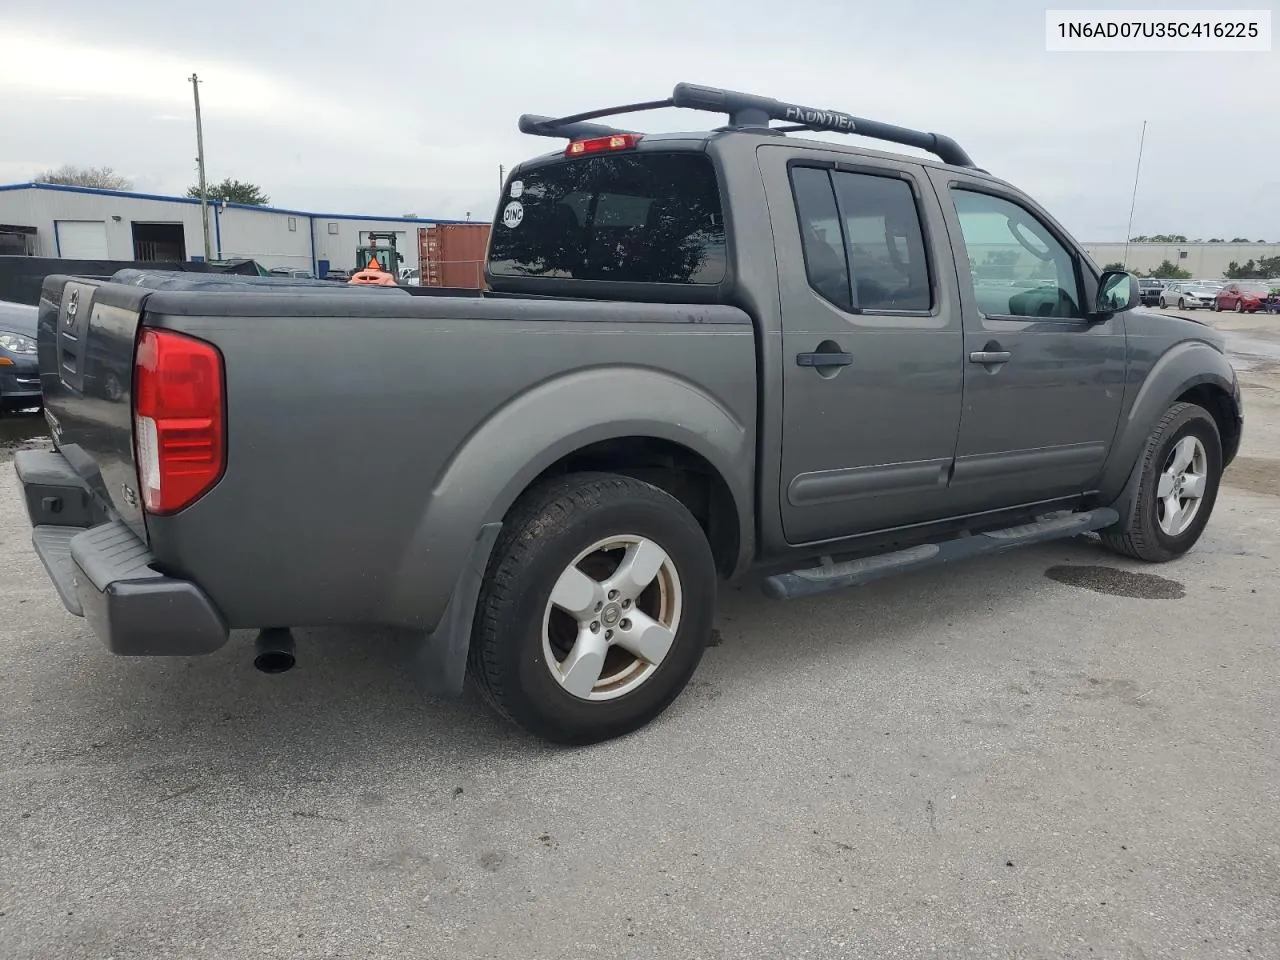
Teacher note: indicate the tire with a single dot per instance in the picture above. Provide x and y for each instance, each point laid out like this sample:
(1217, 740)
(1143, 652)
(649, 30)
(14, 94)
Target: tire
(1239, 306)
(522, 645)
(1144, 538)
(1217, 307)
(1182, 304)
(1163, 305)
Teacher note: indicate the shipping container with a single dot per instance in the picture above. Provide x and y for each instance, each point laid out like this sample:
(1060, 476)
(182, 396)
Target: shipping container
(452, 255)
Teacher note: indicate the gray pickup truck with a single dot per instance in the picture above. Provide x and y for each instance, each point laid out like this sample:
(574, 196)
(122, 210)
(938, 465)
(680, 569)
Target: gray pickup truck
(702, 357)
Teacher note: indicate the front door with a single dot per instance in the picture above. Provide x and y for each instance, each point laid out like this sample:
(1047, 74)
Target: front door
(1043, 380)
(871, 342)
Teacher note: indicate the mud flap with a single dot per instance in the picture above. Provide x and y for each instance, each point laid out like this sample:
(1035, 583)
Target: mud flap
(1127, 502)
(441, 661)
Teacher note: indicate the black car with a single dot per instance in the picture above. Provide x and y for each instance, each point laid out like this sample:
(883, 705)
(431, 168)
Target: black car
(1149, 291)
(19, 369)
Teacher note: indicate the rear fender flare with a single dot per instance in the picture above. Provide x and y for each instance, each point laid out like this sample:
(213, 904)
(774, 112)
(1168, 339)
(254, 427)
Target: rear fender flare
(1181, 368)
(507, 452)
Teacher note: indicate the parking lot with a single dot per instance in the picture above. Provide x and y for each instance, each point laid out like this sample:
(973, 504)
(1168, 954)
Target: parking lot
(1052, 753)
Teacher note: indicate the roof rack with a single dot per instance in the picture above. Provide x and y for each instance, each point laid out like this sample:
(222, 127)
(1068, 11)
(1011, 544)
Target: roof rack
(749, 112)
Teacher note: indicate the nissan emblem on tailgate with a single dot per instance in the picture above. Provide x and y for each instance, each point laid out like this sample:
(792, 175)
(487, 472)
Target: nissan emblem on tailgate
(73, 304)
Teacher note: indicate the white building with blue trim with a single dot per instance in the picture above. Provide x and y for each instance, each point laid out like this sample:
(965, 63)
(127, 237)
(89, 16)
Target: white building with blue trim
(51, 220)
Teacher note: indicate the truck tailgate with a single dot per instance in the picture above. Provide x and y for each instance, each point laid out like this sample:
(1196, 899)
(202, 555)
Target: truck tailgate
(86, 338)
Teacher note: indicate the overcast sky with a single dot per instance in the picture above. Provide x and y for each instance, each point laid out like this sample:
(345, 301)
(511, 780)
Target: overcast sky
(333, 107)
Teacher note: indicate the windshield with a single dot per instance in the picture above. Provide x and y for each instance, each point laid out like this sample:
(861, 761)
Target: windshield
(639, 218)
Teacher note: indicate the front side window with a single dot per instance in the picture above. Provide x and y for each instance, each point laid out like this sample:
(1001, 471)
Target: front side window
(1019, 268)
(634, 218)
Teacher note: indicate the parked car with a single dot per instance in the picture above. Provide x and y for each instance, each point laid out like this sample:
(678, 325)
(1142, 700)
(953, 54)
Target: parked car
(19, 369)
(1149, 291)
(547, 483)
(293, 273)
(339, 276)
(1242, 296)
(1186, 296)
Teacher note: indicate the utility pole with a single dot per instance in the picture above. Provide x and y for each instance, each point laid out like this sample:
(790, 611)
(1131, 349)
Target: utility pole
(204, 193)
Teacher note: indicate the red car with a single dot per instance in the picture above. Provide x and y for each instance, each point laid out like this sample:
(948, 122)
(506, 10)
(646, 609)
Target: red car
(1242, 296)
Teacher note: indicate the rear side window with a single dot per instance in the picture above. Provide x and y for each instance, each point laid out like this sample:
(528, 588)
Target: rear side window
(866, 229)
(820, 233)
(633, 218)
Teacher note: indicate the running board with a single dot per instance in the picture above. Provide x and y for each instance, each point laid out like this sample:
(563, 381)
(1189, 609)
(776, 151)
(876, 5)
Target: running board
(853, 573)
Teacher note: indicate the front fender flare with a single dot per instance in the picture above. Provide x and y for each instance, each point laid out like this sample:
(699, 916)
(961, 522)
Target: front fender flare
(533, 430)
(1183, 367)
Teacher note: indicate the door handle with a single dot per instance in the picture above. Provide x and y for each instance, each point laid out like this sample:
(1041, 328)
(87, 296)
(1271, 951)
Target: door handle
(823, 359)
(990, 356)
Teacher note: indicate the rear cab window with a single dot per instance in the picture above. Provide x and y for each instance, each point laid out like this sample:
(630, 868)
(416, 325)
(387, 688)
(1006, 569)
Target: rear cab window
(639, 217)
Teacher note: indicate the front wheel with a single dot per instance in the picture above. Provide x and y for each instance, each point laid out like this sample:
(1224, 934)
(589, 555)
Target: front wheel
(596, 608)
(1239, 306)
(1181, 469)
(1182, 304)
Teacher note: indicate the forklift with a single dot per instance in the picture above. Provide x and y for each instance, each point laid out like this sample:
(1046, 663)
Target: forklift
(387, 257)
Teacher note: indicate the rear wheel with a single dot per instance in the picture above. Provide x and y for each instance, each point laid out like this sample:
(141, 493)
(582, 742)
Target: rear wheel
(596, 609)
(1181, 468)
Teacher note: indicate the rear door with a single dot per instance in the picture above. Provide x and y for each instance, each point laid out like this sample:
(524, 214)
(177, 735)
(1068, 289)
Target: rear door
(1043, 380)
(871, 343)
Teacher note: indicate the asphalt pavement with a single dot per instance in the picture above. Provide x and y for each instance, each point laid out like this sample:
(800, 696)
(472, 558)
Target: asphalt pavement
(1053, 753)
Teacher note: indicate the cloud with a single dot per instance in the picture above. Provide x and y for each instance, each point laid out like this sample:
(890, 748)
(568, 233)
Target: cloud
(420, 115)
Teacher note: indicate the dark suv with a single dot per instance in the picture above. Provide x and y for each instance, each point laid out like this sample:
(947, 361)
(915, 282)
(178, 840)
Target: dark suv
(1149, 291)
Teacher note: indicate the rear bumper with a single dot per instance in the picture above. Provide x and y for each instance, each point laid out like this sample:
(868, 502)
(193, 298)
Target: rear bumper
(104, 573)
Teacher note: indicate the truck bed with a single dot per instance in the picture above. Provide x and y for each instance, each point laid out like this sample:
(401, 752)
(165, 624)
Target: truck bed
(359, 422)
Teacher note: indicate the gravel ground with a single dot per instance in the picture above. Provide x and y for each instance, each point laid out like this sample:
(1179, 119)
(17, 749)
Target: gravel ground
(1048, 754)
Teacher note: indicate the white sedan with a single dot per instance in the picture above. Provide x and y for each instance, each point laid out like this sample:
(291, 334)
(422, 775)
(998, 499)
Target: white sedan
(1187, 296)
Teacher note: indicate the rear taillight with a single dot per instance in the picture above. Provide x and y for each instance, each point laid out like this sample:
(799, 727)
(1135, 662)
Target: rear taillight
(178, 418)
(617, 141)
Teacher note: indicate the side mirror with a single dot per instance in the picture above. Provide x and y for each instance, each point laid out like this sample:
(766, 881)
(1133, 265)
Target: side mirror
(1117, 292)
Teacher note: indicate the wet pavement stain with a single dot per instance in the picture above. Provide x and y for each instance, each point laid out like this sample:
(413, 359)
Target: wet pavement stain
(1117, 583)
(1255, 474)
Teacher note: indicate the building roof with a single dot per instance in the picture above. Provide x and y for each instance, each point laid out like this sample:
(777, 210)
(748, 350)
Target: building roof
(129, 194)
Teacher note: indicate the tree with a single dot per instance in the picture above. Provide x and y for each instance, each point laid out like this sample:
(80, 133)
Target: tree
(104, 178)
(1160, 238)
(1115, 265)
(1170, 271)
(1263, 269)
(1239, 239)
(232, 191)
